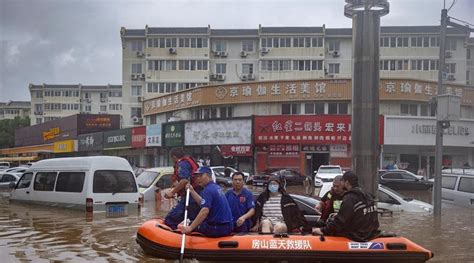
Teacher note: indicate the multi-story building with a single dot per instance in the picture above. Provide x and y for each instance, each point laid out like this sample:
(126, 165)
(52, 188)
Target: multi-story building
(12, 109)
(51, 102)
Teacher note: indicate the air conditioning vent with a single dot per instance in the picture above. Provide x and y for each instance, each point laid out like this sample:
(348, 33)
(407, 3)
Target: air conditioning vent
(223, 54)
(172, 50)
(244, 77)
(142, 76)
(137, 120)
(265, 50)
(213, 76)
(134, 76)
(251, 77)
(103, 99)
(243, 54)
(334, 53)
(451, 77)
(140, 54)
(220, 77)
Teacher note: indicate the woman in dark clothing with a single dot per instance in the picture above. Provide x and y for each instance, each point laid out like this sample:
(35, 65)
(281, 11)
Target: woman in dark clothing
(277, 212)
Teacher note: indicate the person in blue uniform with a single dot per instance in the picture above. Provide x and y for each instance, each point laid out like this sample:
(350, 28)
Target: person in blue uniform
(241, 204)
(183, 174)
(215, 218)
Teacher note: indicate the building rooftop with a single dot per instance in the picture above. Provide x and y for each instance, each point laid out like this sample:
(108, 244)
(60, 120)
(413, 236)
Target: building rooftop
(177, 30)
(74, 86)
(291, 30)
(234, 32)
(16, 104)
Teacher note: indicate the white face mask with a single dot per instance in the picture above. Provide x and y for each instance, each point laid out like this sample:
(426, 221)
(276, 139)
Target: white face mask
(273, 188)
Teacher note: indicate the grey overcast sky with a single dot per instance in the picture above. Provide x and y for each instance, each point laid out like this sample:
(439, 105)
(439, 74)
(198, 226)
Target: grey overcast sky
(78, 41)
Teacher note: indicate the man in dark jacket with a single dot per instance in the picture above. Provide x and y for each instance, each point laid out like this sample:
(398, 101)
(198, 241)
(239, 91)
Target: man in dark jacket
(357, 218)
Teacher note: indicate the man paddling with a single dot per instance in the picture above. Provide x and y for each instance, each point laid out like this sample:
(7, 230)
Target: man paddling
(215, 218)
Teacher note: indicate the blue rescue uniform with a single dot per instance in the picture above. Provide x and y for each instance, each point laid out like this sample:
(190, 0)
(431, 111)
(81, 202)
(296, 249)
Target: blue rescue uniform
(176, 215)
(240, 205)
(218, 222)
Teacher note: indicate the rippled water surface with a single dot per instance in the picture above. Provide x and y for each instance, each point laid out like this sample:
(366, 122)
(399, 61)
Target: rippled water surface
(37, 233)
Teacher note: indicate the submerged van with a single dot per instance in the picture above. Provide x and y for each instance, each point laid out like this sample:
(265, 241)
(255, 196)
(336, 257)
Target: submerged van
(457, 187)
(94, 184)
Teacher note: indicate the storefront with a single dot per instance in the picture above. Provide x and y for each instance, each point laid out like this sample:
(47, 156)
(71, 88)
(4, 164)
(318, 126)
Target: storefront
(173, 136)
(138, 152)
(90, 144)
(118, 143)
(153, 143)
(303, 142)
(206, 140)
(65, 148)
(410, 141)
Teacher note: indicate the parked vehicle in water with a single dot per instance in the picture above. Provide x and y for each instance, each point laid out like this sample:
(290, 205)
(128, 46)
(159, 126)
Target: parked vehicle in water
(4, 165)
(326, 173)
(457, 188)
(288, 176)
(95, 184)
(403, 180)
(389, 199)
(17, 170)
(7, 178)
(154, 179)
(219, 171)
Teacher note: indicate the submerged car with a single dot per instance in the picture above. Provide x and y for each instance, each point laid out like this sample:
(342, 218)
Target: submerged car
(403, 180)
(290, 176)
(326, 173)
(219, 171)
(7, 178)
(154, 179)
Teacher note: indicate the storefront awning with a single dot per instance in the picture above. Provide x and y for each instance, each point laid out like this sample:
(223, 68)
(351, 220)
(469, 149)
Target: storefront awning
(19, 159)
(45, 148)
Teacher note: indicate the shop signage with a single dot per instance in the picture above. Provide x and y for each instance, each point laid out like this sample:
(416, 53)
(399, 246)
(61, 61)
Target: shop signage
(284, 149)
(91, 142)
(218, 132)
(405, 130)
(236, 150)
(65, 146)
(51, 133)
(153, 135)
(138, 137)
(118, 139)
(89, 123)
(173, 134)
(314, 148)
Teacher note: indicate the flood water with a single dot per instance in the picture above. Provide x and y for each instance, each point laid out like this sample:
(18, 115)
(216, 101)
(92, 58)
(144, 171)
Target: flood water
(40, 234)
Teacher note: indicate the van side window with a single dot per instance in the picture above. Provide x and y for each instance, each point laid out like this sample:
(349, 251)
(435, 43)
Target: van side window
(25, 181)
(44, 181)
(448, 182)
(466, 185)
(113, 181)
(70, 182)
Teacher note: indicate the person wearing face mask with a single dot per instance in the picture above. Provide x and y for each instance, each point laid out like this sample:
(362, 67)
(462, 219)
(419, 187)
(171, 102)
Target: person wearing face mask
(276, 212)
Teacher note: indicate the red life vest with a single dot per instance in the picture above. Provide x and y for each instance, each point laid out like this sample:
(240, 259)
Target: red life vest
(194, 167)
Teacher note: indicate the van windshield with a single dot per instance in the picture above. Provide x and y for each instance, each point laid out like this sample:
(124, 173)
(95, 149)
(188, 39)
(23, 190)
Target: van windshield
(146, 179)
(113, 181)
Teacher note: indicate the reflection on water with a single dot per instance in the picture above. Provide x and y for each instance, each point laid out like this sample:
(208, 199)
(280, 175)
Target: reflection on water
(36, 233)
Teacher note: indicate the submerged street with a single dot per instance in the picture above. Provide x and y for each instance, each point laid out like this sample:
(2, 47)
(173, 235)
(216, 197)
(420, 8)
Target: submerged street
(41, 234)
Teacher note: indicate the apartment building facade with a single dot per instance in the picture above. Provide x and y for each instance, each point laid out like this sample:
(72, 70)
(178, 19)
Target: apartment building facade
(50, 102)
(12, 109)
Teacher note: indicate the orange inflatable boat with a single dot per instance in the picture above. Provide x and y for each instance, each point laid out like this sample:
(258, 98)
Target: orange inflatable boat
(159, 240)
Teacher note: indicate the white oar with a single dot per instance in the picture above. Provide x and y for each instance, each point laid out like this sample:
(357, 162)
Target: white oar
(183, 238)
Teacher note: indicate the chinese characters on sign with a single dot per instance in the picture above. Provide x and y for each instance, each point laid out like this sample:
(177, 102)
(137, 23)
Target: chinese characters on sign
(220, 132)
(236, 150)
(287, 244)
(180, 100)
(51, 134)
(284, 149)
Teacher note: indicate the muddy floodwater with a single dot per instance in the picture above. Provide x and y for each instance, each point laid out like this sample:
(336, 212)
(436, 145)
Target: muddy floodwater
(43, 234)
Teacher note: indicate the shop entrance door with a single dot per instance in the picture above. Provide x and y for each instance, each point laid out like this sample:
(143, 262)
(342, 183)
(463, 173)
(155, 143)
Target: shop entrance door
(427, 166)
(314, 160)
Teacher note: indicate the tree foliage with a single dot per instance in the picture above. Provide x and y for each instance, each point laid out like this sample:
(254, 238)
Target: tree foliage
(7, 130)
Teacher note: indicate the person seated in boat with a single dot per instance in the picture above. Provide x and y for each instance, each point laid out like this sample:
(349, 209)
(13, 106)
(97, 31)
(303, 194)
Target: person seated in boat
(357, 218)
(276, 212)
(241, 204)
(331, 201)
(215, 218)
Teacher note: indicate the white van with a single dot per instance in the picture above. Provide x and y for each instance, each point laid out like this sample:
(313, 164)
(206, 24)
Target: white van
(94, 184)
(458, 187)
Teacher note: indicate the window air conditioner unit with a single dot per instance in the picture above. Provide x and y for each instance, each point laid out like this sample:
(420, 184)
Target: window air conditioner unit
(265, 50)
(213, 76)
(334, 53)
(451, 77)
(216, 53)
(223, 54)
(332, 76)
(448, 54)
(244, 77)
(220, 77)
(243, 54)
(251, 77)
(140, 54)
(134, 76)
(172, 50)
(137, 120)
(103, 99)
(89, 100)
(139, 99)
(142, 76)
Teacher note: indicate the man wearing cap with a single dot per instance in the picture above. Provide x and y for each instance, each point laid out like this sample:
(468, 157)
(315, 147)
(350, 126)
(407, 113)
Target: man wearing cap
(357, 218)
(215, 218)
(241, 204)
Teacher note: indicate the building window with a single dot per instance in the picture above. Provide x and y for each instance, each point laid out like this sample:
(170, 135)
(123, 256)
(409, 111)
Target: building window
(451, 68)
(302, 42)
(136, 112)
(434, 41)
(333, 68)
(116, 107)
(275, 65)
(247, 68)
(402, 41)
(451, 44)
(317, 42)
(137, 46)
(220, 46)
(103, 108)
(193, 42)
(136, 90)
(416, 41)
(247, 45)
(87, 95)
(226, 112)
(408, 109)
(334, 45)
(137, 68)
(338, 108)
(88, 108)
(193, 65)
(39, 94)
(39, 120)
(39, 107)
(116, 94)
(290, 109)
(221, 68)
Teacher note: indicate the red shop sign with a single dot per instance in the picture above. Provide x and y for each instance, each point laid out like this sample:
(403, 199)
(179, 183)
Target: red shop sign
(305, 129)
(236, 150)
(138, 137)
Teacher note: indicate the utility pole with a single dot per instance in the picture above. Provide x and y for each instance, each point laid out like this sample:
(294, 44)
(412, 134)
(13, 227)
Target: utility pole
(440, 124)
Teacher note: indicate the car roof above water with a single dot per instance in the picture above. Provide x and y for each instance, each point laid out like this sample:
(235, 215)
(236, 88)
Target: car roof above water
(83, 163)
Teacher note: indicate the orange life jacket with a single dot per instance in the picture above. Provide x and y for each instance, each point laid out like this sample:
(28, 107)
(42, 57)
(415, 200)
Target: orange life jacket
(194, 167)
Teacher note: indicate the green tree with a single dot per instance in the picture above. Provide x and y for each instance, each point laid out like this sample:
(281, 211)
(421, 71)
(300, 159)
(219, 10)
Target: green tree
(7, 130)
